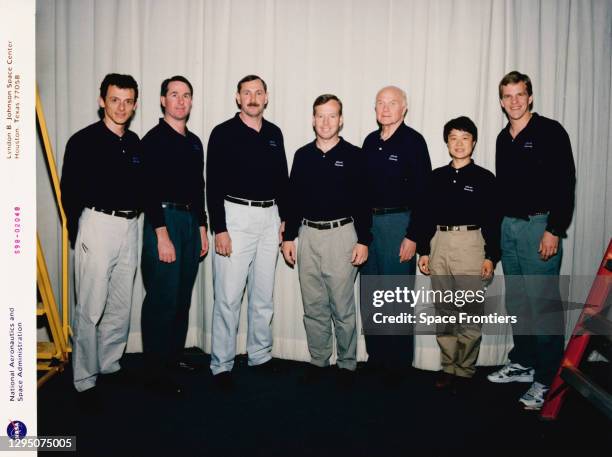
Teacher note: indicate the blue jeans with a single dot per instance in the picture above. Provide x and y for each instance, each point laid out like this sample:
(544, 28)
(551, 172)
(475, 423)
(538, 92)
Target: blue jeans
(389, 230)
(534, 343)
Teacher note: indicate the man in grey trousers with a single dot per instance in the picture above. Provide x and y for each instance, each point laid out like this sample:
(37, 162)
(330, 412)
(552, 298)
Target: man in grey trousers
(328, 210)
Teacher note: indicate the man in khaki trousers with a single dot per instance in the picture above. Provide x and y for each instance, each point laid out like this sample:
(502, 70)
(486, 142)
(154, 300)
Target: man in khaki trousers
(459, 245)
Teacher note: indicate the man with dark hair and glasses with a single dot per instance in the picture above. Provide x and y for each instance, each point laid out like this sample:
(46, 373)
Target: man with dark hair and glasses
(174, 237)
(247, 179)
(101, 195)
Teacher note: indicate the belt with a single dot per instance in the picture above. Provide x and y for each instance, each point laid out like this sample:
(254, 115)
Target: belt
(179, 206)
(244, 201)
(125, 213)
(526, 217)
(327, 225)
(457, 228)
(396, 209)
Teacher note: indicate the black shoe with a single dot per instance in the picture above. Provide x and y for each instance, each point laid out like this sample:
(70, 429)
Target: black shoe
(312, 375)
(371, 369)
(272, 366)
(89, 401)
(119, 377)
(223, 381)
(187, 367)
(393, 378)
(164, 385)
(345, 379)
(445, 380)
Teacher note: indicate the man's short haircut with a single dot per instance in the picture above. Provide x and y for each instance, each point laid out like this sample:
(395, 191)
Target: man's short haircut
(463, 124)
(515, 77)
(121, 81)
(323, 99)
(179, 78)
(248, 78)
(166, 82)
(401, 91)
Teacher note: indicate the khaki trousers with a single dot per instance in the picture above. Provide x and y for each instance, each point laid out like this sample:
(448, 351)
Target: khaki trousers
(455, 262)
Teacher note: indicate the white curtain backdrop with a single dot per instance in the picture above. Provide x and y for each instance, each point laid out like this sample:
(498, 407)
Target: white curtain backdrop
(448, 55)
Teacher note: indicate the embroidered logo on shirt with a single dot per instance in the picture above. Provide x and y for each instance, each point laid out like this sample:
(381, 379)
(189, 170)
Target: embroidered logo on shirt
(393, 158)
(528, 145)
(272, 143)
(469, 188)
(339, 163)
(135, 160)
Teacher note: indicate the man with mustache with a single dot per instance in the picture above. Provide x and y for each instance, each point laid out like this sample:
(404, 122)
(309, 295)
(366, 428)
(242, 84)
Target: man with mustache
(247, 179)
(174, 234)
(101, 195)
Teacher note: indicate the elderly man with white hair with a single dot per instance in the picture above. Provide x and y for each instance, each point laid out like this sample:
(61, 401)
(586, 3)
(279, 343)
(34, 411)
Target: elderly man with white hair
(399, 169)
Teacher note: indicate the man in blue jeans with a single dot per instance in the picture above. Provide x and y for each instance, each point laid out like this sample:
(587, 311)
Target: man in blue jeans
(536, 178)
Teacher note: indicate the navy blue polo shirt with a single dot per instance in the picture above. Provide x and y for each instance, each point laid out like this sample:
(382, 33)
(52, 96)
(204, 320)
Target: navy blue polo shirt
(101, 169)
(245, 163)
(536, 173)
(174, 170)
(463, 196)
(398, 170)
(326, 186)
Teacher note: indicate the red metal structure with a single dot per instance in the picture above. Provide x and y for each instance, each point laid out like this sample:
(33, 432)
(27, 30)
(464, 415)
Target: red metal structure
(591, 323)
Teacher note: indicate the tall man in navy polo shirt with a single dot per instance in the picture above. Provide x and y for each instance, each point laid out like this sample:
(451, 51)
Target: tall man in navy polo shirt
(174, 237)
(247, 179)
(399, 170)
(333, 219)
(536, 177)
(101, 194)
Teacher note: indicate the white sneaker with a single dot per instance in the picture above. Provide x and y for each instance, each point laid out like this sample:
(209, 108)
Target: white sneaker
(512, 372)
(533, 399)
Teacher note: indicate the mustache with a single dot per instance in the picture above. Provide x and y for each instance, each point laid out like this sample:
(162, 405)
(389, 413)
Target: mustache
(254, 105)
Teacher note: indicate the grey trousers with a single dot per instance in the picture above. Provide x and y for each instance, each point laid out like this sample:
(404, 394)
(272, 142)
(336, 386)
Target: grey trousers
(327, 280)
(105, 261)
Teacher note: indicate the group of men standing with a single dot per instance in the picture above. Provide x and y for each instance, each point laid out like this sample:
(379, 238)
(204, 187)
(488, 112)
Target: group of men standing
(349, 208)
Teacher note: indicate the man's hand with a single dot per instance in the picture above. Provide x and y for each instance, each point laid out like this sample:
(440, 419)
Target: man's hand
(204, 239)
(486, 271)
(548, 245)
(359, 255)
(280, 233)
(165, 248)
(289, 252)
(223, 244)
(424, 265)
(407, 250)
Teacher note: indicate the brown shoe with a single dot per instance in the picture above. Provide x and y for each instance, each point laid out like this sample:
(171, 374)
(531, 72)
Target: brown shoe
(444, 380)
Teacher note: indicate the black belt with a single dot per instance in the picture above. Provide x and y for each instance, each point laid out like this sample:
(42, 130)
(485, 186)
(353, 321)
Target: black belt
(244, 201)
(327, 225)
(179, 206)
(125, 213)
(527, 216)
(396, 209)
(457, 228)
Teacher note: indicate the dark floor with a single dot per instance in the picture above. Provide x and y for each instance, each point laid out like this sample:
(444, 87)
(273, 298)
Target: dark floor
(275, 415)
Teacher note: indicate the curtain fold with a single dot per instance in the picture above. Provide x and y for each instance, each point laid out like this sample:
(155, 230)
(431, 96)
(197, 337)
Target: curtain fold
(448, 55)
